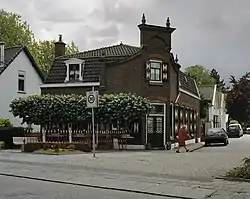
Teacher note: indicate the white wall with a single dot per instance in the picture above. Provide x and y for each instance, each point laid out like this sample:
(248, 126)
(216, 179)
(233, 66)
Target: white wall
(220, 110)
(9, 86)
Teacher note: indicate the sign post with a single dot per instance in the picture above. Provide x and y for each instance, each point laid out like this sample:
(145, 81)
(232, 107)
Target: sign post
(92, 102)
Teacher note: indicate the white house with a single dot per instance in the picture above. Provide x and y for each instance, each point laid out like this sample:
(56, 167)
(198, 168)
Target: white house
(217, 116)
(19, 77)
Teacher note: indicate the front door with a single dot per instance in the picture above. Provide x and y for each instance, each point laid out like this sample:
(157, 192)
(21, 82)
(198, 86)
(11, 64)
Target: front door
(155, 131)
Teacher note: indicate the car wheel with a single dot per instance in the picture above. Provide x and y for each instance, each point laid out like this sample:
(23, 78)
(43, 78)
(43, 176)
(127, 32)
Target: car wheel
(226, 142)
(206, 143)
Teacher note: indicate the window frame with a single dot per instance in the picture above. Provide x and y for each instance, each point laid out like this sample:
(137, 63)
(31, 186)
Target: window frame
(216, 121)
(74, 61)
(160, 69)
(23, 78)
(79, 70)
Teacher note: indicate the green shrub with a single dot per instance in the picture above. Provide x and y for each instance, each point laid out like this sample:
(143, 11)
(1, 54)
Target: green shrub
(31, 147)
(241, 171)
(5, 123)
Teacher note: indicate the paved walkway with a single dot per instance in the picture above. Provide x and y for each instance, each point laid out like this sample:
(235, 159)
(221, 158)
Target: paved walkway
(192, 165)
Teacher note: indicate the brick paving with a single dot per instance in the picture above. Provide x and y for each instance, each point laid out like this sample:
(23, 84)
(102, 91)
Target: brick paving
(196, 169)
(204, 163)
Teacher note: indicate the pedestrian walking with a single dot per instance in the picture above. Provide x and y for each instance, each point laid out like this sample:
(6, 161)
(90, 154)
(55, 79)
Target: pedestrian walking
(182, 137)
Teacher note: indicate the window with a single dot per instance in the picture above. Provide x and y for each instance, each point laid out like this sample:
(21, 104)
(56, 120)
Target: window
(74, 71)
(155, 71)
(216, 121)
(21, 81)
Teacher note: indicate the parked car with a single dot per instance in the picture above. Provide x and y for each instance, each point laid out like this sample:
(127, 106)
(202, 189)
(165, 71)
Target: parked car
(216, 135)
(247, 130)
(234, 130)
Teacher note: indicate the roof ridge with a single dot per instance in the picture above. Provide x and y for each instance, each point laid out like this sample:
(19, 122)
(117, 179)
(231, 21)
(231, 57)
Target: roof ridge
(96, 49)
(17, 46)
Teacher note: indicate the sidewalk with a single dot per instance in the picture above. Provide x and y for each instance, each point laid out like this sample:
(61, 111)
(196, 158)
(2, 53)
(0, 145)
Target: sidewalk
(189, 166)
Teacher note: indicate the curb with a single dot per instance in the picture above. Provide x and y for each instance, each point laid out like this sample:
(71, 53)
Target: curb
(95, 186)
(232, 179)
(192, 150)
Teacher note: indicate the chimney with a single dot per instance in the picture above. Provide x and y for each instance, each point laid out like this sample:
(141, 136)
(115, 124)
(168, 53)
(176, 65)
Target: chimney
(1, 54)
(59, 47)
(148, 32)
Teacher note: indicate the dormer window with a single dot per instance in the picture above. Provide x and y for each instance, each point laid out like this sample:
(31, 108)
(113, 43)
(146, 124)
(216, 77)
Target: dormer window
(75, 68)
(74, 72)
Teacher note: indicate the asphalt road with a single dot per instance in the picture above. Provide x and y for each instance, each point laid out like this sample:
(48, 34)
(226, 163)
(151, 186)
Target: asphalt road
(15, 188)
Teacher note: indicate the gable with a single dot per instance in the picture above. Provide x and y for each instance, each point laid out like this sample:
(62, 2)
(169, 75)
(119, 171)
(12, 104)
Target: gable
(10, 55)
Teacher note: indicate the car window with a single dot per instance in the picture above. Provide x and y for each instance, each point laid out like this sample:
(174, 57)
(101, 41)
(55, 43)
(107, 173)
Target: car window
(234, 127)
(213, 131)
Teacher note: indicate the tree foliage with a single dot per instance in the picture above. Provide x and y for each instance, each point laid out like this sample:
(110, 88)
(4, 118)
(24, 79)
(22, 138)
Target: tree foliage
(238, 99)
(220, 82)
(200, 74)
(45, 53)
(43, 109)
(14, 31)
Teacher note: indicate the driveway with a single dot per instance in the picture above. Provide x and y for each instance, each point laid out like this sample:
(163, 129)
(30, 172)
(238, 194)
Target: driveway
(203, 164)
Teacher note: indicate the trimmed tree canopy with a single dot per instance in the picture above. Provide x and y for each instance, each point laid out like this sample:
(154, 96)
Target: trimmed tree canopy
(42, 109)
(238, 99)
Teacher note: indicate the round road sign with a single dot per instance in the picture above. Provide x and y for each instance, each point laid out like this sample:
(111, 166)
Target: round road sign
(91, 99)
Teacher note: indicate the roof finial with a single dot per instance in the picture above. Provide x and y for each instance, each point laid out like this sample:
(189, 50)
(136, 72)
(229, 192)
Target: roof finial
(143, 19)
(60, 37)
(176, 58)
(168, 22)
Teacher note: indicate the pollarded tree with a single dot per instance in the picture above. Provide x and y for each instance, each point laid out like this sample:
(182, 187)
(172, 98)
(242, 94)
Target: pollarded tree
(43, 109)
(238, 99)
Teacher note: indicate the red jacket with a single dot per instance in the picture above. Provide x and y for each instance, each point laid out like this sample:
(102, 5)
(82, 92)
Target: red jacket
(182, 137)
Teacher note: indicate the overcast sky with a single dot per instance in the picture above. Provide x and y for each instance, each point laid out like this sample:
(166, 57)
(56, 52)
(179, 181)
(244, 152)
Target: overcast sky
(215, 34)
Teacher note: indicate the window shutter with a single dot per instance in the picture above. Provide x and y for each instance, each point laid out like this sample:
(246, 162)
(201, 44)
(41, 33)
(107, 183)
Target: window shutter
(147, 70)
(164, 71)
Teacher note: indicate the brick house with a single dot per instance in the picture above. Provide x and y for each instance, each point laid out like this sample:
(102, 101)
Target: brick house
(149, 70)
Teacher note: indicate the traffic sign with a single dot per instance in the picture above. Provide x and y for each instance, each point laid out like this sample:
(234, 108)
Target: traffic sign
(92, 99)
